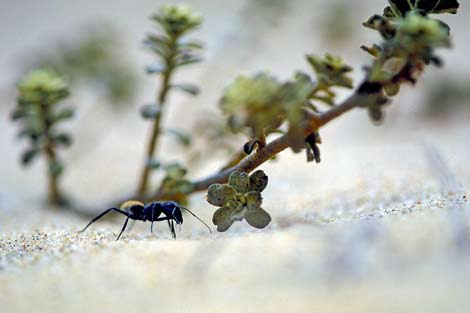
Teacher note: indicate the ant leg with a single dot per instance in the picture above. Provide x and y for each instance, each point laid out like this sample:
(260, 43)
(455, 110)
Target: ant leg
(173, 229)
(151, 224)
(103, 214)
(169, 225)
(123, 228)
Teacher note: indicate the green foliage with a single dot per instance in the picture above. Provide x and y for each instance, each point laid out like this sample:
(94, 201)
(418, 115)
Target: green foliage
(258, 106)
(150, 111)
(173, 50)
(254, 103)
(331, 72)
(410, 39)
(175, 186)
(42, 87)
(261, 104)
(94, 60)
(38, 113)
(183, 138)
(171, 46)
(239, 199)
(177, 19)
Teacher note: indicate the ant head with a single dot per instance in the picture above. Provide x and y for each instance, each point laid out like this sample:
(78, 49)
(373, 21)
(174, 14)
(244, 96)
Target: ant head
(175, 210)
(178, 215)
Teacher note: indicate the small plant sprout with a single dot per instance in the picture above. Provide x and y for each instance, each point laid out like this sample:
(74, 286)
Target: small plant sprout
(39, 113)
(174, 51)
(239, 199)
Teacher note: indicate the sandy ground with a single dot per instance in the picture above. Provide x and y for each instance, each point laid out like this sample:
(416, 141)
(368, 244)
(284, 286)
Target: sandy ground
(381, 225)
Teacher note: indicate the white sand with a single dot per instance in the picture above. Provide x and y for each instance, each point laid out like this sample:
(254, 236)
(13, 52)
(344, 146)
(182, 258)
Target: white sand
(381, 225)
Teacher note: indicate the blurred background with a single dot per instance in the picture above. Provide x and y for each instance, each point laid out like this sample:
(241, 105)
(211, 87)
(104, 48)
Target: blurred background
(381, 224)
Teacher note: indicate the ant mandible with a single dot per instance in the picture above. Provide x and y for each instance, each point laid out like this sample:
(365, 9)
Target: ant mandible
(151, 212)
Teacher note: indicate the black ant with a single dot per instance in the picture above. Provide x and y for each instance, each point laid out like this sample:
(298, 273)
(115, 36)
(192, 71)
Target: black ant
(138, 211)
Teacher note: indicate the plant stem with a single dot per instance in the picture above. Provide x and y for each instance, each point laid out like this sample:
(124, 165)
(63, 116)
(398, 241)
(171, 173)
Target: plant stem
(54, 195)
(156, 131)
(155, 134)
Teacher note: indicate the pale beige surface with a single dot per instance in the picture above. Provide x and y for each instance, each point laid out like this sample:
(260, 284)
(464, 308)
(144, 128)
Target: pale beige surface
(385, 239)
(381, 225)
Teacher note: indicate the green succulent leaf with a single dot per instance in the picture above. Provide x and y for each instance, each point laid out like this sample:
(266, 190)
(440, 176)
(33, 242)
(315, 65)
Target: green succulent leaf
(240, 199)
(183, 138)
(56, 168)
(253, 200)
(258, 218)
(188, 88)
(160, 50)
(186, 60)
(174, 186)
(62, 139)
(253, 103)
(222, 219)
(375, 50)
(150, 111)
(331, 71)
(154, 164)
(258, 181)
(382, 24)
(42, 85)
(32, 132)
(177, 19)
(64, 114)
(240, 182)
(296, 94)
(29, 155)
(219, 194)
(175, 171)
(190, 45)
(155, 69)
(21, 113)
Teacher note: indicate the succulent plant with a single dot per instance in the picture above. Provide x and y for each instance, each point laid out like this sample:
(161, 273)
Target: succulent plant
(239, 199)
(410, 38)
(295, 95)
(38, 113)
(174, 185)
(173, 51)
(262, 104)
(331, 72)
(253, 103)
(177, 19)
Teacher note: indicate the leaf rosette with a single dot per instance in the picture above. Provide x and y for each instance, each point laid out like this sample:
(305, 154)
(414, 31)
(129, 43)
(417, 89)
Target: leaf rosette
(239, 199)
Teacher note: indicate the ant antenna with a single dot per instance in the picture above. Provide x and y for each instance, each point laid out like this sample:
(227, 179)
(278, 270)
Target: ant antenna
(198, 219)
